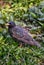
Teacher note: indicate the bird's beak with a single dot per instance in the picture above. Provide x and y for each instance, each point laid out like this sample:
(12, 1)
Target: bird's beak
(7, 24)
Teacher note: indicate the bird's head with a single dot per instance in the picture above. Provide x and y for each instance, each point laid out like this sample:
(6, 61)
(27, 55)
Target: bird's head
(10, 24)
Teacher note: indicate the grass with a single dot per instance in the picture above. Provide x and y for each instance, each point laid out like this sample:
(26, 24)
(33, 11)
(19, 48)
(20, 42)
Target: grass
(10, 51)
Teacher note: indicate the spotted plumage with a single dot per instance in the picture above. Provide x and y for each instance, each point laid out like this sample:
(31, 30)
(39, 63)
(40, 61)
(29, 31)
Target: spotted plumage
(21, 34)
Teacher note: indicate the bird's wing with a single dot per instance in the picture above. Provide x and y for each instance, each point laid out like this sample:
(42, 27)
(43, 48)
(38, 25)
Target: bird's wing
(18, 31)
(21, 34)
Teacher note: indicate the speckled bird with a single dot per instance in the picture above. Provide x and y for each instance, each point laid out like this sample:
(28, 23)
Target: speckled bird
(18, 33)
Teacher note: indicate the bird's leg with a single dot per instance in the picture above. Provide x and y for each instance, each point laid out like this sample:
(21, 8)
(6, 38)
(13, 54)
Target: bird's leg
(20, 45)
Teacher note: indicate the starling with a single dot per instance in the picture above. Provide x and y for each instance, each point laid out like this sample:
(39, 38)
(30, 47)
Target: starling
(20, 34)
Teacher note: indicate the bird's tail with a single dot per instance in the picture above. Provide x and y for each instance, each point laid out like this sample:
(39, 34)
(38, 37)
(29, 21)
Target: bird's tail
(37, 44)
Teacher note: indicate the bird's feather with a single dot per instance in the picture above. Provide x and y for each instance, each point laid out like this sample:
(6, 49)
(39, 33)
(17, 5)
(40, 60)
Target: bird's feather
(22, 34)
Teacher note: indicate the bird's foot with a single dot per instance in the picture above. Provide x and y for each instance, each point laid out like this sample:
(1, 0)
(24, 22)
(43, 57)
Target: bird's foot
(20, 45)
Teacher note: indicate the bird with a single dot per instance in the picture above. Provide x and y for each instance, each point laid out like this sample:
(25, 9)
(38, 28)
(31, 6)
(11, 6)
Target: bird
(18, 33)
